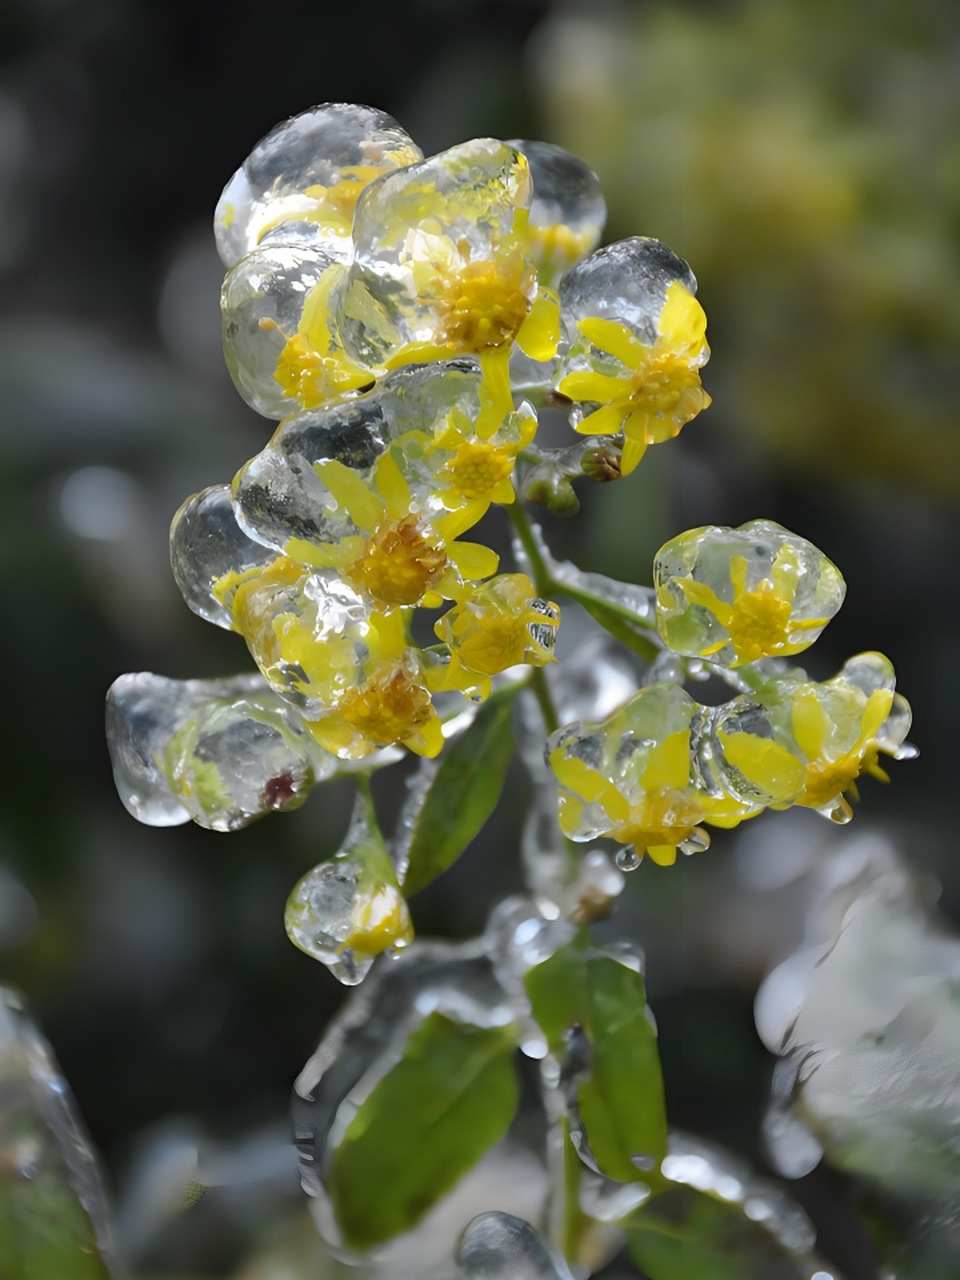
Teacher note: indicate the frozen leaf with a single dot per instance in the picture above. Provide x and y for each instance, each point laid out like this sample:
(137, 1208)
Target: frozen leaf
(451, 1096)
(464, 792)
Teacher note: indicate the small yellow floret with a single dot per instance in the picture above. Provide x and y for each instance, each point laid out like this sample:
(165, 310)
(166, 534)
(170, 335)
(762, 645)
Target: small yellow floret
(380, 919)
(400, 562)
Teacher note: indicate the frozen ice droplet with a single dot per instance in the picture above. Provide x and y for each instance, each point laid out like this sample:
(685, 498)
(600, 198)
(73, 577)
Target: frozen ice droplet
(568, 209)
(209, 553)
(499, 1246)
(305, 176)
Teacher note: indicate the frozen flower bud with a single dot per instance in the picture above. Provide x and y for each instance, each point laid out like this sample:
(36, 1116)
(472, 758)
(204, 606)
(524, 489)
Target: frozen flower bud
(347, 911)
(278, 342)
(635, 343)
(738, 595)
(301, 182)
(568, 210)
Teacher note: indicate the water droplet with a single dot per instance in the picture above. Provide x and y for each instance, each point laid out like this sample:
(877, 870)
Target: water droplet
(627, 859)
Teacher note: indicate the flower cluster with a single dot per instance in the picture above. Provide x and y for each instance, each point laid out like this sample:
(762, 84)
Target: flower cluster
(403, 320)
(652, 771)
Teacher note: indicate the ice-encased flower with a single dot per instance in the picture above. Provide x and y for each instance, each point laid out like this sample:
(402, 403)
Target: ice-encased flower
(738, 595)
(350, 671)
(636, 341)
(803, 742)
(279, 341)
(301, 182)
(629, 776)
(442, 267)
(496, 625)
(348, 910)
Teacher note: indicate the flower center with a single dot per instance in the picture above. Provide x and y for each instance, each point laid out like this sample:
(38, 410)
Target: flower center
(759, 622)
(484, 303)
(386, 708)
(478, 467)
(664, 817)
(398, 563)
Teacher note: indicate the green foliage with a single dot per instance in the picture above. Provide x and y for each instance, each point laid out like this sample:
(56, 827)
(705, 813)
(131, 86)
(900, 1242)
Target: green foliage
(448, 1100)
(464, 792)
(621, 1102)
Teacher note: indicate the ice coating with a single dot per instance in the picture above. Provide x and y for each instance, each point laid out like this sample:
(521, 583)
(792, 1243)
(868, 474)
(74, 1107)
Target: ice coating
(144, 711)
(626, 281)
(568, 211)
(737, 595)
(54, 1194)
(362, 1043)
(867, 1026)
(439, 264)
(308, 171)
(209, 553)
(222, 752)
(261, 306)
(499, 1246)
(237, 760)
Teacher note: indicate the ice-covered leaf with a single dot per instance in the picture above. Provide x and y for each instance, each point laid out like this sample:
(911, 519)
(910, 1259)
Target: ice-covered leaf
(618, 1088)
(450, 1097)
(53, 1217)
(463, 794)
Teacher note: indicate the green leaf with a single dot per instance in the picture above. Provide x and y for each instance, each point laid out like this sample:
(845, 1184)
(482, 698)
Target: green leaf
(621, 1103)
(450, 1097)
(44, 1230)
(464, 792)
(684, 1233)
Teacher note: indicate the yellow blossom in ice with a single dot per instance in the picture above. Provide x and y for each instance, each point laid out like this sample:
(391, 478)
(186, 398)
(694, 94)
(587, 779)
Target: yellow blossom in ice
(759, 621)
(480, 460)
(660, 389)
(313, 368)
(655, 811)
(838, 728)
(380, 919)
(499, 624)
(400, 556)
(391, 704)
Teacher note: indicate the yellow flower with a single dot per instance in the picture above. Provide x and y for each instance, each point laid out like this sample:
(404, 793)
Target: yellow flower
(480, 460)
(391, 704)
(738, 595)
(500, 624)
(660, 389)
(838, 727)
(760, 620)
(312, 367)
(399, 556)
(379, 919)
(655, 811)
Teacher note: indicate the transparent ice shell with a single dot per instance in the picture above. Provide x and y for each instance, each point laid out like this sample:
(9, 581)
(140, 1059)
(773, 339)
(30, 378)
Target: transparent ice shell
(738, 595)
(568, 211)
(279, 494)
(261, 305)
(222, 752)
(626, 281)
(54, 1200)
(455, 980)
(499, 1246)
(438, 258)
(307, 173)
(209, 552)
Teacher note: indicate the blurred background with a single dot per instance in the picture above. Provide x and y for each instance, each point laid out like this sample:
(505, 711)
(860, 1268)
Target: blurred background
(805, 159)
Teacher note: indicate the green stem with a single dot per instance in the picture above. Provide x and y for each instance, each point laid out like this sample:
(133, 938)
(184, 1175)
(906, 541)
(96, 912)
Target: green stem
(538, 683)
(574, 1219)
(521, 526)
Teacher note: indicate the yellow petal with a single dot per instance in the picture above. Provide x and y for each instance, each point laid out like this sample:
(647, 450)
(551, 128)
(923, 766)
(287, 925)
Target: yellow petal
(811, 724)
(664, 855)
(605, 421)
(616, 338)
(539, 335)
(473, 560)
(683, 322)
(668, 764)
(633, 451)
(600, 388)
(359, 501)
(392, 485)
(496, 397)
(767, 764)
